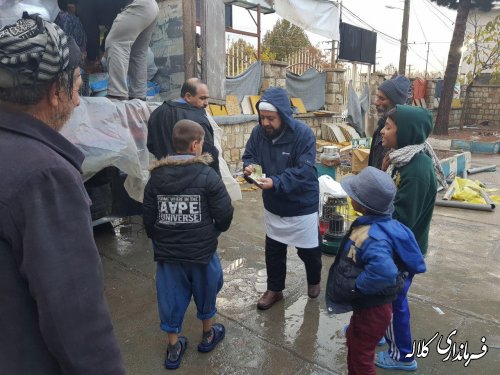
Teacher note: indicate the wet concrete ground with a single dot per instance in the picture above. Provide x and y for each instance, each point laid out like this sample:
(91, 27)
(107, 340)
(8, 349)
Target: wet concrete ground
(460, 291)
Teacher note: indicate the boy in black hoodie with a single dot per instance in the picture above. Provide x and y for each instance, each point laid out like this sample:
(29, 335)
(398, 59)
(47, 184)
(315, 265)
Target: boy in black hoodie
(186, 207)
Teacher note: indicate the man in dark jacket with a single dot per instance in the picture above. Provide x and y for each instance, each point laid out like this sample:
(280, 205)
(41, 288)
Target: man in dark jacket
(186, 207)
(389, 93)
(53, 315)
(286, 150)
(190, 106)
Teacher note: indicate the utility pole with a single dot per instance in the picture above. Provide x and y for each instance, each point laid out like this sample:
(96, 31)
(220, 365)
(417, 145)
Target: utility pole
(409, 69)
(404, 38)
(427, 59)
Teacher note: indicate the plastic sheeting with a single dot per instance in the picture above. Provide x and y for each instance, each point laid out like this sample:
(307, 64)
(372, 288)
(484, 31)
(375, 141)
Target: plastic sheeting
(357, 107)
(310, 87)
(232, 186)
(247, 83)
(317, 16)
(112, 133)
(12, 10)
(470, 191)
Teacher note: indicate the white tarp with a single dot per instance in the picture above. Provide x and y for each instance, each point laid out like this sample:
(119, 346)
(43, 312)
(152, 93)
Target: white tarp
(232, 186)
(317, 16)
(114, 133)
(12, 10)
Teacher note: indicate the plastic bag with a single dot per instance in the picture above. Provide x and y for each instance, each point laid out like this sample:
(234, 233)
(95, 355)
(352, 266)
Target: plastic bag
(112, 133)
(12, 10)
(330, 186)
(470, 191)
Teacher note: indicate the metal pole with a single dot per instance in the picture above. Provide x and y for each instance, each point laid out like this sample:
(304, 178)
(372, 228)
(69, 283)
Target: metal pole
(467, 206)
(258, 32)
(427, 59)
(486, 168)
(404, 38)
(451, 189)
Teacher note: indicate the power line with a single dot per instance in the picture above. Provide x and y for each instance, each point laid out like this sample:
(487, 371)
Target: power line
(357, 22)
(419, 24)
(367, 24)
(432, 6)
(425, 37)
(429, 42)
(423, 58)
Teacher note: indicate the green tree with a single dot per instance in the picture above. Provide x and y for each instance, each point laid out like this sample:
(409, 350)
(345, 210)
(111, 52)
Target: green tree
(450, 76)
(239, 56)
(267, 55)
(483, 50)
(482, 53)
(285, 39)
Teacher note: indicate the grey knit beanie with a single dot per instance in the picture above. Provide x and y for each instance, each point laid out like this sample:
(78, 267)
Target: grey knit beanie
(396, 89)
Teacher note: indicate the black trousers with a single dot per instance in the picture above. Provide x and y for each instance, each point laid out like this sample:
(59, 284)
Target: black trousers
(276, 264)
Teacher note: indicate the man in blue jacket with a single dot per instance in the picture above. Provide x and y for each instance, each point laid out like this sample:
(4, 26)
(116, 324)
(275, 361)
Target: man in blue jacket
(286, 150)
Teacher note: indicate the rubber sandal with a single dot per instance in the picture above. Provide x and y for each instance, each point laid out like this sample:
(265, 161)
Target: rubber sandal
(219, 333)
(380, 342)
(384, 360)
(172, 365)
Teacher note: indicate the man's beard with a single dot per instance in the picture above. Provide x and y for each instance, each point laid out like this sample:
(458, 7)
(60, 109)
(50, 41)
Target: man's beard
(271, 132)
(60, 117)
(381, 112)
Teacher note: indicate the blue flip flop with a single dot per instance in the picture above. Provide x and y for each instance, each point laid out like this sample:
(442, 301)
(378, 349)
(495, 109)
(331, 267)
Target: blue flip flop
(219, 333)
(380, 342)
(384, 360)
(172, 365)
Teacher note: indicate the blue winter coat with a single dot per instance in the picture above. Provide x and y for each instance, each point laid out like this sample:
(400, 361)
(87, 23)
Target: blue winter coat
(289, 162)
(375, 258)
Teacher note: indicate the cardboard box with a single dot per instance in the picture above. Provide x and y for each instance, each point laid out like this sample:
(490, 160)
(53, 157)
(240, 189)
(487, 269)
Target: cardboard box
(359, 159)
(361, 143)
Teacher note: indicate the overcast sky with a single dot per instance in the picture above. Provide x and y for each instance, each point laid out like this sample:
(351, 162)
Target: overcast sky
(428, 23)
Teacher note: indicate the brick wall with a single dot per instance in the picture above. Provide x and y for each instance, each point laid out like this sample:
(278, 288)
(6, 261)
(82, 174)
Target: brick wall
(236, 136)
(455, 114)
(482, 104)
(273, 75)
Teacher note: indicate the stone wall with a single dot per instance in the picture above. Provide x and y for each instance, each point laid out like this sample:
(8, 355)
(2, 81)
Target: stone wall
(236, 136)
(482, 104)
(334, 99)
(273, 75)
(455, 114)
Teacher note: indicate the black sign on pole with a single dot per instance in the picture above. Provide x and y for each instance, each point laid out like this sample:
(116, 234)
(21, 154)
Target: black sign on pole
(357, 44)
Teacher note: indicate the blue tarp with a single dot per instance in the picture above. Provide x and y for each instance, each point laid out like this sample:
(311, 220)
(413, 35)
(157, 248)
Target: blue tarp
(310, 87)
(357, 107)
(247, 83)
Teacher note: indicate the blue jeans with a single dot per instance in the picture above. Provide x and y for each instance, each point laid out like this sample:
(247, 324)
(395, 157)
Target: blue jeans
(176, 282)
